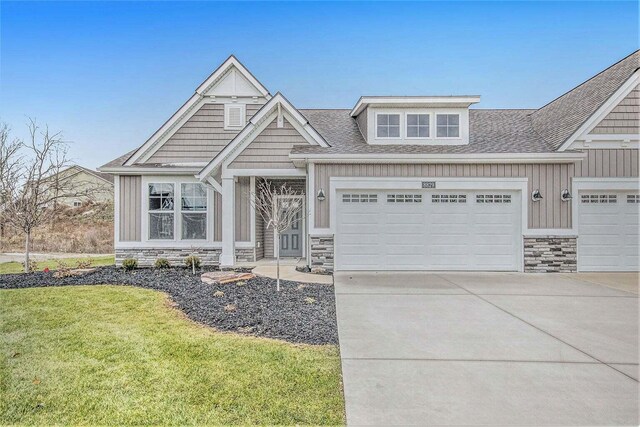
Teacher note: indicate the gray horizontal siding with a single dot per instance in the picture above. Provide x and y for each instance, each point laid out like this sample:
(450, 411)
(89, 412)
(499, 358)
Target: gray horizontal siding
(200, 138)
(130, 214)
(550, 179)
(624, 118)
(270, 149)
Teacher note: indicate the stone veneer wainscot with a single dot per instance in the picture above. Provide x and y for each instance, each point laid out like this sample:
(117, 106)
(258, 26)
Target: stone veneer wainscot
(147, 257)
(550, 254)
(322, 252)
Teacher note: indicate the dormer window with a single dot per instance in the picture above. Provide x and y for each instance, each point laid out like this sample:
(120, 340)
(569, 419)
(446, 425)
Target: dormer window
(417, 126)
(448, 125)
(234, 116)
(388, 126)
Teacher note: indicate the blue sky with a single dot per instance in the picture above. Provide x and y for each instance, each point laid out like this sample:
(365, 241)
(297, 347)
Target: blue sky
(108, 74)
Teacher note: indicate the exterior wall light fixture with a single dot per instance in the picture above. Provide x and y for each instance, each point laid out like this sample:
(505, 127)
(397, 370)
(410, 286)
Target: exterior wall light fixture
(321, 195)
(536, 196)
(565, 196)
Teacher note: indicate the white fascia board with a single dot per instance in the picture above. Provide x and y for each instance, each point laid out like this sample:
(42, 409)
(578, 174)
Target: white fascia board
(571, 157)
(141, 170)
(256, 125)
(601, 112)
(440, 101)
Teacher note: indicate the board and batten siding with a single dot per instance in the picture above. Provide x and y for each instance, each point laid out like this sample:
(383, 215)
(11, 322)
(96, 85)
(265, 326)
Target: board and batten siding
(270, 149)
(130, 208)
(243, 209)
(551, 212)
(200, 138)
(624, 118)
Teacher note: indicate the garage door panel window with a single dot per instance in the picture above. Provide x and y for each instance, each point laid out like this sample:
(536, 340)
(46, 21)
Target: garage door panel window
(404, 198)
(359, 198)
(598, 198)
(633, 198)
(448, 198)
(493, 198)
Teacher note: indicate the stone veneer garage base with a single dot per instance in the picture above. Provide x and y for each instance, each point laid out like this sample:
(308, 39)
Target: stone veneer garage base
(550, 254)
(147, 257)
(322, 252)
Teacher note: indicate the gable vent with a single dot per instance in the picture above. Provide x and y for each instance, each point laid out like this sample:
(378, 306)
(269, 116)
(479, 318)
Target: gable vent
(234, 116)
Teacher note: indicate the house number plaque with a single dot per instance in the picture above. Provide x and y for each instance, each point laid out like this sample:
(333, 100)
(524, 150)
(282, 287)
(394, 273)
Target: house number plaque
(428, 184)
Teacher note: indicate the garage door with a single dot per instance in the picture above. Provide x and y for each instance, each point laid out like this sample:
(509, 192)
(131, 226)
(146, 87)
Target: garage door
(428, 230)
(608, 231)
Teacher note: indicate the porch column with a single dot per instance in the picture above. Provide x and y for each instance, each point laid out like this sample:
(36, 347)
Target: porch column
(227, 258)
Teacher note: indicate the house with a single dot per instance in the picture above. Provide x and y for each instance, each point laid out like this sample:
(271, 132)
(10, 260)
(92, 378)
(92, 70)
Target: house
(97, 185)
(394, 183)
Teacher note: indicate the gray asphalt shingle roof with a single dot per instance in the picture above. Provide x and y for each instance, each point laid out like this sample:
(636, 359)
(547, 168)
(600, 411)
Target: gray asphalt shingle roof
(490, 131)
(561, 118)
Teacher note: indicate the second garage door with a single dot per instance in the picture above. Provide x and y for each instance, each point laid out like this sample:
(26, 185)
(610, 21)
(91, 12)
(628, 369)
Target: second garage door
(428, 230)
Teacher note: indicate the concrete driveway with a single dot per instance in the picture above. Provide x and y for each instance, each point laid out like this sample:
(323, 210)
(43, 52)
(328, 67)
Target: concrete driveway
(489, 348)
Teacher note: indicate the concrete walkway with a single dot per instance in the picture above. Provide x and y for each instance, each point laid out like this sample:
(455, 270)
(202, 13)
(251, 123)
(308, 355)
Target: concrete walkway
(488, 349)
(268, 268)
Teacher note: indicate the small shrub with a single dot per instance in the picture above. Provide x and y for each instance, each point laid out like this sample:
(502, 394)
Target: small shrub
(309, 300)
(33, 266)
(84, 263)
(62, 269)
(129, 264)
(230, 308)
(241, 283)
(162, 263)
(192, 261)
(218, 294)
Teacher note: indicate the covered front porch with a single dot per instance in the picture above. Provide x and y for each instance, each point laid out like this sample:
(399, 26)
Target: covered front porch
(247, 237)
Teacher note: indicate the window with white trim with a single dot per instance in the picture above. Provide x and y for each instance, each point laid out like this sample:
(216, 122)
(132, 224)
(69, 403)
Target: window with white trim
(359, 198)
(404, 198)
(633, 198)
(448, 125)
(234, 116)
(193, 211)
(388, 126)
(77, 204)
(417, 125)
(161, 211)
(598, 198)
(493, 198)
(448, 198)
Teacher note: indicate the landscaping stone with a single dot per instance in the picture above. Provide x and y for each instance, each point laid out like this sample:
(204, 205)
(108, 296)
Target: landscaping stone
(222, 277)
(259, 309)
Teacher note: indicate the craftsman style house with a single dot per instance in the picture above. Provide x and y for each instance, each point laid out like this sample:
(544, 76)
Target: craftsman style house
(395, 183)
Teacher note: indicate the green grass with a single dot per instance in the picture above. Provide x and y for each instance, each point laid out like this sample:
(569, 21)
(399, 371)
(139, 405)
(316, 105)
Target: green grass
(52, 264)
(114, 355)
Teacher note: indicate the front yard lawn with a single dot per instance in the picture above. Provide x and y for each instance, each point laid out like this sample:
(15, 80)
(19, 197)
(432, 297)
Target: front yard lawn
(52, 264)
(122, 356)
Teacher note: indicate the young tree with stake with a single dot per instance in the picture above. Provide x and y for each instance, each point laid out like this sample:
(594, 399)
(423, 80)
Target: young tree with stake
(280, 207)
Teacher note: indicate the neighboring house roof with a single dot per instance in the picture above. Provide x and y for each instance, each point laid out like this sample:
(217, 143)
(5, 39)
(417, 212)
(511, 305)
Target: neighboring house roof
(101, 175)
(560, 119)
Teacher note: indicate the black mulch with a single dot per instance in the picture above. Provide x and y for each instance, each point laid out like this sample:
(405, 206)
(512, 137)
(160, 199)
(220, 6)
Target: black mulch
(299, 313)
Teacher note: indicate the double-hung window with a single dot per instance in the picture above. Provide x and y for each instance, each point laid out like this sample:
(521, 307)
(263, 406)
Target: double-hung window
(161, 211)
(388, 126)
(448, 125)
(417, 126)
(193, 211)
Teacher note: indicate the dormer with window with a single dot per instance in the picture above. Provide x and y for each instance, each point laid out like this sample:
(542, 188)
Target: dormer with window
(433, 120)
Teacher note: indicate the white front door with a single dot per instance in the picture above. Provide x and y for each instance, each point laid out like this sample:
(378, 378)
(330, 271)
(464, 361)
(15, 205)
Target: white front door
(428, 230)
(608, 231)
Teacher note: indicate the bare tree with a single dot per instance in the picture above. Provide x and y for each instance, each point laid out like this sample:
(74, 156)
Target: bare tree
(30, 183)
(280, 207)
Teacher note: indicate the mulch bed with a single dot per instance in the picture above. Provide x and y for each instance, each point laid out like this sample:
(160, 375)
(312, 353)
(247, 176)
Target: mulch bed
(299, 313)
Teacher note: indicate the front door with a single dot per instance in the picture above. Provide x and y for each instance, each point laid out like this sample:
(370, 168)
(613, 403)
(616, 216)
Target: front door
(291, 239)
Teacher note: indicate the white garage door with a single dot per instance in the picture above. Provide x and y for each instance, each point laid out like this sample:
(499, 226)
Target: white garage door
(428, 230)
(608, 231)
